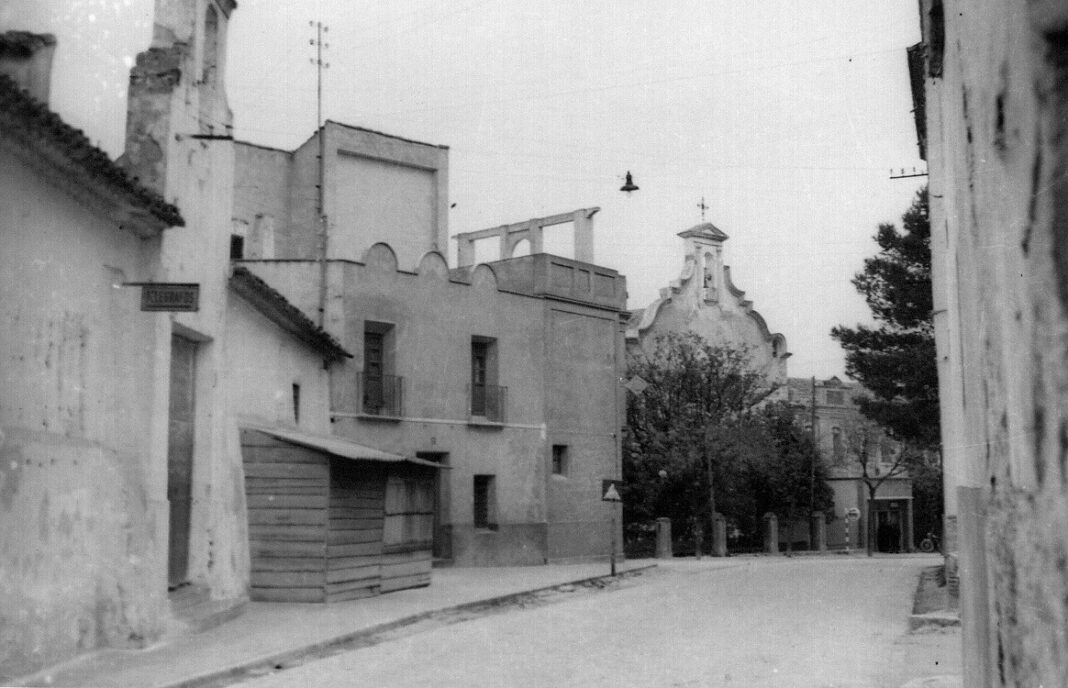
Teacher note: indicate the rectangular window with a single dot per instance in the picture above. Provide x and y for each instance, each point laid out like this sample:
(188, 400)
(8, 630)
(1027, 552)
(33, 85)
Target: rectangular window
(296, 403)
(237, 247)
(560, 459)
(835, 398)
(485, 506)
(479, 357)
(381, 391)
(487, 397)
(409, 513)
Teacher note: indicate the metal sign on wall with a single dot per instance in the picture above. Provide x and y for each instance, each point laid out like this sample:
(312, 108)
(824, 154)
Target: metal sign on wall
(168, 296)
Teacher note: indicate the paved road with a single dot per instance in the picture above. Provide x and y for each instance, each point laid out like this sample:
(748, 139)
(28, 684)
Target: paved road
(820, 622)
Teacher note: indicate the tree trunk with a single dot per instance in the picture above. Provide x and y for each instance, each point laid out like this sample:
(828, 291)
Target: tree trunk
(871, 519)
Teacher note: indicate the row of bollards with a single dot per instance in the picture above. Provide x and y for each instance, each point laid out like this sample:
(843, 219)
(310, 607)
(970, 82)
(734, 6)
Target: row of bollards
(665, 550)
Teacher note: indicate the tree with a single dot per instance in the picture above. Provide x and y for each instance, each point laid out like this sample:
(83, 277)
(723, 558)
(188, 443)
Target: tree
(895, 360)
(680, 427)
(865, 442)
(791, 477)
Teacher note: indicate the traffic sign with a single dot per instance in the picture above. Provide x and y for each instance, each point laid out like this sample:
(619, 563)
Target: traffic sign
(610, 490)
(853, 512)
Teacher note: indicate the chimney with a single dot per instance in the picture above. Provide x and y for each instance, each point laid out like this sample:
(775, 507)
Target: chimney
(27, 58)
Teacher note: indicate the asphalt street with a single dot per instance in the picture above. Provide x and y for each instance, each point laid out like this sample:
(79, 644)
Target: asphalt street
(821, 622)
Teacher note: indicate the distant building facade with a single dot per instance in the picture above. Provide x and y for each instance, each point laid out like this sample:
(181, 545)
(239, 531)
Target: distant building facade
(842, 434)
(704, 300)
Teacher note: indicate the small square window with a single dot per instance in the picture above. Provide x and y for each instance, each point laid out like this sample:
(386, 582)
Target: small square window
(237, 247)
(560, 459)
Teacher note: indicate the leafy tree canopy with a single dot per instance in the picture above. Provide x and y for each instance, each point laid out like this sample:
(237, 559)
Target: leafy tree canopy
(699, 439)
(895, 360)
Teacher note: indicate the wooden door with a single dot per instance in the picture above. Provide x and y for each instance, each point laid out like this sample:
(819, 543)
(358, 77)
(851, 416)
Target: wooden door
(180, 438)
(442, 546)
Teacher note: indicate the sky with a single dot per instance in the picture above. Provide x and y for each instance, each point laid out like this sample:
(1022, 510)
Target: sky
(784, 117)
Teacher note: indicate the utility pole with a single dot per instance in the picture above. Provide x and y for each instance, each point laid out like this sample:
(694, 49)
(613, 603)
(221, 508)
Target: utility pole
(812, 471)
(324, 235)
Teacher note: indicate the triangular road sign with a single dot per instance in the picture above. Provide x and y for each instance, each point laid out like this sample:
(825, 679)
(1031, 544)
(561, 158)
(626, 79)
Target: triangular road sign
(610, 491)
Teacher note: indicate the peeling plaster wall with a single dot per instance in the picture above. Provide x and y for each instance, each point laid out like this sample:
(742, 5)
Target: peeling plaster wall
(173, 96)
(999, 200)
(82, 483)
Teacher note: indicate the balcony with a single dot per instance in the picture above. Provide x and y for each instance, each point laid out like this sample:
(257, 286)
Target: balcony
(487, 403)
(383, 395)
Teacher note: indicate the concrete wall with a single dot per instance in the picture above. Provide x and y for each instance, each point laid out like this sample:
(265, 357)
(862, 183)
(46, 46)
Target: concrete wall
(82, 473)
(996, 133)
(379, 189)
(584, 416)
(558, 362)
(262, 204)
(263, 363)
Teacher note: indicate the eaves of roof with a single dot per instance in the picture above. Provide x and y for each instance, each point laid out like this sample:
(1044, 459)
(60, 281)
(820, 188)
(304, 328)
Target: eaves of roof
(29, 128)
(281, 312)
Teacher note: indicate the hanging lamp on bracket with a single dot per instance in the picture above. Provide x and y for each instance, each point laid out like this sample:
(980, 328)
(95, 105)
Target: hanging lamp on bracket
(628, 185)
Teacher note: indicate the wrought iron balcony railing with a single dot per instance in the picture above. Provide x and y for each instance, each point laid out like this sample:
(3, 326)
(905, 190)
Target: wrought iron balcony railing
(383, 395)
(488, 402)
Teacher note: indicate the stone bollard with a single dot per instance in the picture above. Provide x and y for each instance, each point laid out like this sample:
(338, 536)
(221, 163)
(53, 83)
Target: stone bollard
(819, 532)
(719, 535)
(771, 533)
(663, 539)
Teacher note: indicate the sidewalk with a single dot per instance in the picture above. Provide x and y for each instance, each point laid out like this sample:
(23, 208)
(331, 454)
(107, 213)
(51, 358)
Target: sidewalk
(273, 633)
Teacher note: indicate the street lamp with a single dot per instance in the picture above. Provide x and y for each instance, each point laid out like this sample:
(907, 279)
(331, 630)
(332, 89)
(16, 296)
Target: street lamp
(628, 185)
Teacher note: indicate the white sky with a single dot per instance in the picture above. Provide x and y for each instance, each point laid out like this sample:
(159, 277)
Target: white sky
(785, 116)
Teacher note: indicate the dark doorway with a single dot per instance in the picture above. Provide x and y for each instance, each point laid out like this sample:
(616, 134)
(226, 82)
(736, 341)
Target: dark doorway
(888, 530)
(180, 437)
(442, 548)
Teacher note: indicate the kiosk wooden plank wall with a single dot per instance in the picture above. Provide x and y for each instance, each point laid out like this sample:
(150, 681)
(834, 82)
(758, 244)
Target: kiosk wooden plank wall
(317, 523)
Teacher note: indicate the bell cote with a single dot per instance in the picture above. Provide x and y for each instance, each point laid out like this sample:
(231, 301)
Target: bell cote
(704, 246)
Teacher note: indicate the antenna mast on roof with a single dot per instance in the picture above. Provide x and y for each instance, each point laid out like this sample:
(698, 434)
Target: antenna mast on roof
(320, 65)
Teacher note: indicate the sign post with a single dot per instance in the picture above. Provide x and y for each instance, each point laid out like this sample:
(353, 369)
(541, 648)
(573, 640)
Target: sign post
(610, 493)
(852, 514)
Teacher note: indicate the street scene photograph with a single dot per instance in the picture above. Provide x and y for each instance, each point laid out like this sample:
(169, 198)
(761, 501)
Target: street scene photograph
(716, 344)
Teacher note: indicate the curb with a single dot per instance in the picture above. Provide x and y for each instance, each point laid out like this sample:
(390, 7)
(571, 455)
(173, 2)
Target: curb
(282, 660)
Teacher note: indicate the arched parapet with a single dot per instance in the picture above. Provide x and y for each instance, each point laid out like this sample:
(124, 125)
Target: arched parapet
(688, 268)
(433, 266)
(778, 346)
(738, 293)
(484, 278)
(380, 256)
(646, 319)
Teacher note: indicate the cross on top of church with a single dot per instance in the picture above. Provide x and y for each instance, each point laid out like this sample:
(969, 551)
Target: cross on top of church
(703, 208)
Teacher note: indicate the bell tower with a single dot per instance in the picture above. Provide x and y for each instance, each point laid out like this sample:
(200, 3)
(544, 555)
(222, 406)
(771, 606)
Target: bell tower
(704, 245)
